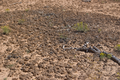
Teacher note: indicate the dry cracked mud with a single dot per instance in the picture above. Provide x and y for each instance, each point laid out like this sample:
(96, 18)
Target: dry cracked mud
(33, 49)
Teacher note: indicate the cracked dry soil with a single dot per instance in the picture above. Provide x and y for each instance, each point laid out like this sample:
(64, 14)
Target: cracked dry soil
(33, 50)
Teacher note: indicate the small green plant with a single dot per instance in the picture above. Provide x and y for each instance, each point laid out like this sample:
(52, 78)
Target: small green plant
(81, 27)
(117, 47)
(118, 74)
(9, 66)
(99, 30)
(109, 56)
(5, 78)
(21, 21)
(64, 10)
(26, 10)
(7, 10)
(28, 51)
(5, 29)
(103, 55)
(63, 36)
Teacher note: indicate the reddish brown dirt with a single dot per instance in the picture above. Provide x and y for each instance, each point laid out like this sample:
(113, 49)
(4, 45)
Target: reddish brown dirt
(33, 50)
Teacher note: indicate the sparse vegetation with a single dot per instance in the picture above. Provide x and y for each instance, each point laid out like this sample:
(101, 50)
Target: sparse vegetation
(7, 10)
(5, 78)
(5, 29)
(9, 66)
(45, 40)
(26, 10)
(117, 47)
(99, 30)
(109, 56)
(21, 21)
(118, 74)
(28, 51)
(82, 27)
(103, 55)
(63, 36)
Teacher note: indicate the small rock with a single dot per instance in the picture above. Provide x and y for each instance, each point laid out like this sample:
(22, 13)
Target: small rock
(55, 27)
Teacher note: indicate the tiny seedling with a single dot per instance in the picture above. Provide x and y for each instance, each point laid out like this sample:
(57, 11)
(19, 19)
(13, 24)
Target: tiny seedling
(7, 10)
(20, 21)
(5, 78)
(118, 74)
(82, 27)
(99, 30)
(64, 10)
(9, 66)
(28, 51)
(63, 36)
(5, 29)
(26, 10)
(117, 47)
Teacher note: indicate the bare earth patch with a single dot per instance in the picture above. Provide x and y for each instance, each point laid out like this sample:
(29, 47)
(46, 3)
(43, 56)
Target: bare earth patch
(33, 49)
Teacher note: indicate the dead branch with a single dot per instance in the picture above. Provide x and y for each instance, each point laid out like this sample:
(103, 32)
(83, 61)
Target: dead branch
(97, 51)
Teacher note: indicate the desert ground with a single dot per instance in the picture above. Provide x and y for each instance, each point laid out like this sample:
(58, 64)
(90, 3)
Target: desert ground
(41, 37)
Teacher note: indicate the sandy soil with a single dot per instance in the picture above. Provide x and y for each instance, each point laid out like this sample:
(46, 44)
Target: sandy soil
(33, 49)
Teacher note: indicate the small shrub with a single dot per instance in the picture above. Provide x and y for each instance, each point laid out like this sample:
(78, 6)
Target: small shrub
(117, 47)
(81, 27)
(9, 66)
(63, 36)
(103, 55)
(20, 21)
(5, 78)
(109, 56)
(26, 10)
(7, 10)
(28, 51)
(99, 30)
(5, 29)
(118, 74)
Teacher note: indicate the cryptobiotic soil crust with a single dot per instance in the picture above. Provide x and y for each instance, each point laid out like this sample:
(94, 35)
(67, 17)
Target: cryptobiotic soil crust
(33, 49)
